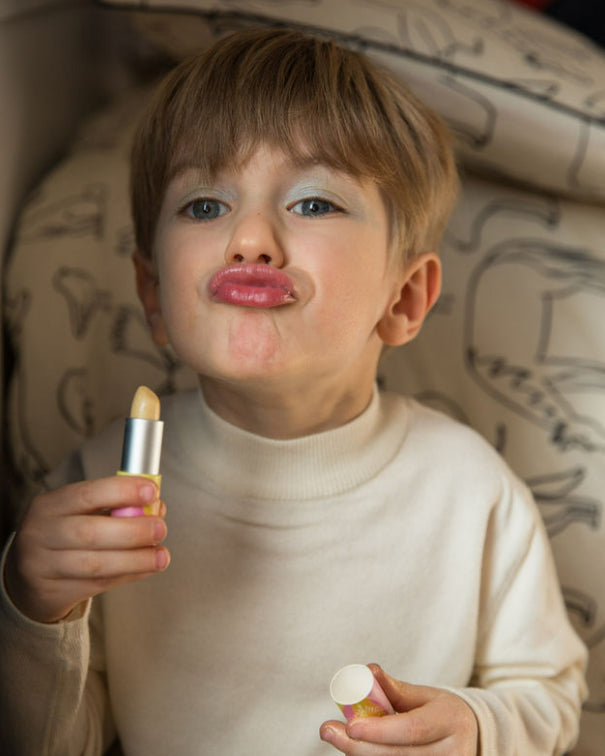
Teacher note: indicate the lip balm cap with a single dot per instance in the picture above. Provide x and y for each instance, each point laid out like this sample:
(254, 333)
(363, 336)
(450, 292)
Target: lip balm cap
(356, 692)
(351, 684)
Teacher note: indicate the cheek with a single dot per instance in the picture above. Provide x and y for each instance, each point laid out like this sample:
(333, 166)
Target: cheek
(355, 290)
(178, 295)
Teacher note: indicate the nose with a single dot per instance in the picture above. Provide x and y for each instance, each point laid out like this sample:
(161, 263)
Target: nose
(255, 239)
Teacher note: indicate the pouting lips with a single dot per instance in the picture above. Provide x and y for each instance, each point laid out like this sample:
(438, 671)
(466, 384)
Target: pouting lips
(257, 285)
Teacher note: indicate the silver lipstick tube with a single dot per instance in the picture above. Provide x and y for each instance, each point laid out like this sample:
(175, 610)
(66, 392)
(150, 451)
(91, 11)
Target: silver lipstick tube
(142, 446)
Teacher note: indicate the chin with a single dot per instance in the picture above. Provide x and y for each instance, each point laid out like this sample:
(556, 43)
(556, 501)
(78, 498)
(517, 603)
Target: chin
(244, 369)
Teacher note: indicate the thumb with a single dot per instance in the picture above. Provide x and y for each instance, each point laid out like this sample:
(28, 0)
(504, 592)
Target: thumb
(402, 695)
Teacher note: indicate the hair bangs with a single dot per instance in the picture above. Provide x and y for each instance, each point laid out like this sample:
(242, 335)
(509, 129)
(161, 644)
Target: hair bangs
(310, 101)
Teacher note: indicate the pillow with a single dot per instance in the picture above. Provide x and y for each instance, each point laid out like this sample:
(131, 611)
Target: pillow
(79, 336)
(524, 95)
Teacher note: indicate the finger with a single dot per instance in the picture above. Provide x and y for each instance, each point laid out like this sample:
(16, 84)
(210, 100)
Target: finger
(94, 496)
(444, 718)
(335, 733)
(414, 728)
(403, 695)
(108, 565)
(73, 578)
(62, 596)
(86, 532)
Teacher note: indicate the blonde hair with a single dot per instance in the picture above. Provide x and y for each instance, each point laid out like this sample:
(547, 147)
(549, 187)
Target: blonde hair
(313, 99)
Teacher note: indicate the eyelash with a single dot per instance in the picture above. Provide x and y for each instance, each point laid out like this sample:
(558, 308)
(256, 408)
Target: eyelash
(333, 207)
(187, 209)
(222, 209)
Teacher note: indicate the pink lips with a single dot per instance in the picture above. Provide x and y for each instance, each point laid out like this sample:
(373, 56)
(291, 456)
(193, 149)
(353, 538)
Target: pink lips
(252, 285)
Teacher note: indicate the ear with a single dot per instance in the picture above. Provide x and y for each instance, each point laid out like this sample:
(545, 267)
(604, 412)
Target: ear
(417, 291)
(148, 289)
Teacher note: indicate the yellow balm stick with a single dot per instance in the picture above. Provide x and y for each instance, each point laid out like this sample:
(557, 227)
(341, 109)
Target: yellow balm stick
(145, 404)
(142, 446)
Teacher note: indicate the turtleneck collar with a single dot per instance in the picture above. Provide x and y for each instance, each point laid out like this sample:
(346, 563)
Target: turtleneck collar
(242, 464)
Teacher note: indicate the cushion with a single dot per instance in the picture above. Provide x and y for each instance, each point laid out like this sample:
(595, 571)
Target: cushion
(80, 338)
(523, 94)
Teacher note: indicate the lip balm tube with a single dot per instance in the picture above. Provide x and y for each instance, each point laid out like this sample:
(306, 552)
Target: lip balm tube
(142, 446)
(357, 694)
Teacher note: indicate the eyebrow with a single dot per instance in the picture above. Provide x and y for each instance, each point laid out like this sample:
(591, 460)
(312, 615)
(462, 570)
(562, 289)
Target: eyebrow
(178, 169)
(300, 164)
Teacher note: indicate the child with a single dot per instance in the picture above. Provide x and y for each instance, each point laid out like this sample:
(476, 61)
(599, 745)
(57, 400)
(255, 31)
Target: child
(288, 199)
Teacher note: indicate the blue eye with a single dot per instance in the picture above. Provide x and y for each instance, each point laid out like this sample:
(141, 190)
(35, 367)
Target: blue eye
(314, 207)
(205, 209)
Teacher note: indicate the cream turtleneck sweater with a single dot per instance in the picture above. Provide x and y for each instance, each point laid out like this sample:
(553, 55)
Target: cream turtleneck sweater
(399, 538)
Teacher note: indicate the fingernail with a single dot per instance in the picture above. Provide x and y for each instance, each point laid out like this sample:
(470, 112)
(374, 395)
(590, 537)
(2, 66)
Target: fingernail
(327, 733)
(148, 492)
(355, 730)
(159, 532)
(161, 559)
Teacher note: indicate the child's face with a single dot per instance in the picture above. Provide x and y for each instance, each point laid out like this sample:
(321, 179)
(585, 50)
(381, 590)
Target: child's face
(313, 244)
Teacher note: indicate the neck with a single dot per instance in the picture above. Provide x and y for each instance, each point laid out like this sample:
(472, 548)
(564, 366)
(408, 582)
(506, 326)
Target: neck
(285, 415)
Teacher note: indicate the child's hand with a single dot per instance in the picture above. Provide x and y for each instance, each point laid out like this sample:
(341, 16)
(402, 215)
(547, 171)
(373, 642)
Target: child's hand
(429, 721)
(68, 549)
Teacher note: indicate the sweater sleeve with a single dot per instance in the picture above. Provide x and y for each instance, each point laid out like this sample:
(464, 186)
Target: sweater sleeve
(53, 698)
(528, 683)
